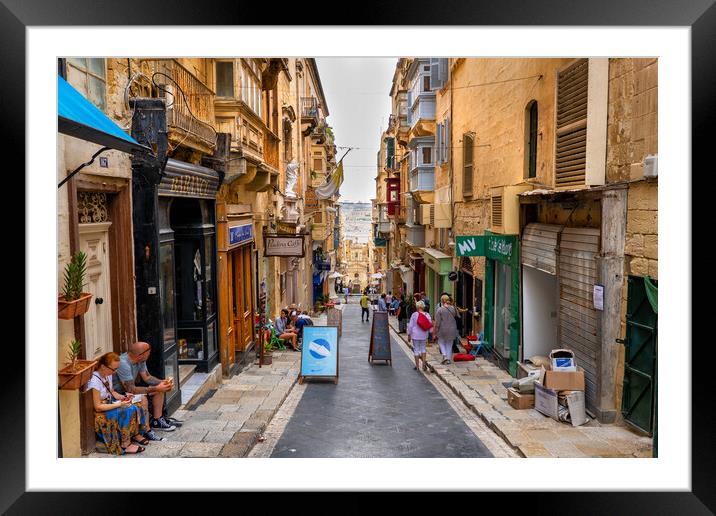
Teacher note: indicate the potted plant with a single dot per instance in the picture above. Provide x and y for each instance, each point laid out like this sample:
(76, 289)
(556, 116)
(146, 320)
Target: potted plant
(73, 302)
(268, 350)
(77, 372)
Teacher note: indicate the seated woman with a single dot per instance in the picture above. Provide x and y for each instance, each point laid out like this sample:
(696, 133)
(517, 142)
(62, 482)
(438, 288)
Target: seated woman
(285, 332)
(118, 421)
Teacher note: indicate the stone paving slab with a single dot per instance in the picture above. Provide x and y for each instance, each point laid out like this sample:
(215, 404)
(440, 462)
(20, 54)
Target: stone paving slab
(479, 384)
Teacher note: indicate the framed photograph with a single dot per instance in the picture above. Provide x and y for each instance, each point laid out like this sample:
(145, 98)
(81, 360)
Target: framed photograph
(44, 42)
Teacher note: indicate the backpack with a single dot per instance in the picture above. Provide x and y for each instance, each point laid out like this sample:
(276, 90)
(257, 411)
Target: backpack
(424, 322)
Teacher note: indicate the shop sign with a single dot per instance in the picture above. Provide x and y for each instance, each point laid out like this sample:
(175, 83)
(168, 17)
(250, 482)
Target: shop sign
(502, 248)
(452, 276)
(379, 242)
(285, 228)
(241, 234)
(311, 201)
(283, 246)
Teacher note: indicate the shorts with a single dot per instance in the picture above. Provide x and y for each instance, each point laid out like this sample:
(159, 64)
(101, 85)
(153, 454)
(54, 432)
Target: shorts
(419, 347)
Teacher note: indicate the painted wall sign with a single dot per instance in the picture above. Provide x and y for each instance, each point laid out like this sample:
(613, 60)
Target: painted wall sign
(310, 201)
(241, 234)
(182, 179)
(319, 355)
(470, 245)
(379, 348)
(284, 246)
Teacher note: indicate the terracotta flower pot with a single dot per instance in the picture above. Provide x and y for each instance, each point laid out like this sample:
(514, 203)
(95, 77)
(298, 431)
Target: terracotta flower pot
(72, 309)
(268, 358)
(71, 379)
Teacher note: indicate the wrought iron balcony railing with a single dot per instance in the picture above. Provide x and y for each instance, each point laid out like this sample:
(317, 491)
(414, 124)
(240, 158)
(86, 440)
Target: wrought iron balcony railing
(193, 112)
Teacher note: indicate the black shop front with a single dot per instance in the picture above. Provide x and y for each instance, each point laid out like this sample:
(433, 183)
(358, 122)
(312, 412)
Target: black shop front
(175, 264)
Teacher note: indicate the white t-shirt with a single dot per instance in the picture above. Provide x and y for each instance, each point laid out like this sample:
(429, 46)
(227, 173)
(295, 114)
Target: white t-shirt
(97, 384)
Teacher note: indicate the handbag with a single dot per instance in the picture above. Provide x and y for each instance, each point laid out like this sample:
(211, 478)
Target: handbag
(424, 322)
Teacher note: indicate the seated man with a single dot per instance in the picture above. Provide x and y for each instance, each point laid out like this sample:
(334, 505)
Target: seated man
(285, 332)
(300, 321)
(133, 377)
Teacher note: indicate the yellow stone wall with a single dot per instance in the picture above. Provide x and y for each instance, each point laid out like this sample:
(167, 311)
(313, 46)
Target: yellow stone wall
(632, 135)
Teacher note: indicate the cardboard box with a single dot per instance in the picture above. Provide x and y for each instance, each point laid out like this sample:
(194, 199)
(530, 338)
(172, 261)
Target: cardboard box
(564, 380)
(562, 360)
(518, 400)
(546, 401)
(523, 369)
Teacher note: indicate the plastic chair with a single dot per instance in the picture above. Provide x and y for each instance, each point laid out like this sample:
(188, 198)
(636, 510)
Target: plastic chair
(480, 341)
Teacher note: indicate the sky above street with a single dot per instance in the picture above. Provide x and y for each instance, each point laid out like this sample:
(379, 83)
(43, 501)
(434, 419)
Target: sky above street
(357, 92)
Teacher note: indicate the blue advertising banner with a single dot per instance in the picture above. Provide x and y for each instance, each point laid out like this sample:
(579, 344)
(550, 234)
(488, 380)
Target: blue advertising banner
(241, 234)
(319, 355)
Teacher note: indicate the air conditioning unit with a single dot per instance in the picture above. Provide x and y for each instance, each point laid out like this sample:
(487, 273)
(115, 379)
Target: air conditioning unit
(505, 209)
(651, 165)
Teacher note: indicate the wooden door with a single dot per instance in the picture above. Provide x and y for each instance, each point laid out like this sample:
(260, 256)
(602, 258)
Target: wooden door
(247, 321)
(94, 242)
(243, 297)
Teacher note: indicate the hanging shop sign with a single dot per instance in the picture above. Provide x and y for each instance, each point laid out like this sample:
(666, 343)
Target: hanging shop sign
(284, 246)
(285, 228)
(502, 248)
(452, 276)
(241, 234)
(319, 355)
(311, 201)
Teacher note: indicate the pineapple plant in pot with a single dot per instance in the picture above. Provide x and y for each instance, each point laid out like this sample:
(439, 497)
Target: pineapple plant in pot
(76, 372)
(73, 302)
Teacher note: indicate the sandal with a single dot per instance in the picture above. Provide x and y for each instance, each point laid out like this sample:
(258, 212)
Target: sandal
(139, 449)
(140, 439)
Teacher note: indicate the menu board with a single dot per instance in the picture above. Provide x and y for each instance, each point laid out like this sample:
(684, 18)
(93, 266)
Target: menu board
(335, 318)
(319, 355)
(380, 338)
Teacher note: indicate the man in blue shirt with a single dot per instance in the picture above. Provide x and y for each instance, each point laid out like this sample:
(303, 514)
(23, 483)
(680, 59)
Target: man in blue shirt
(133, 369)
(382, 305)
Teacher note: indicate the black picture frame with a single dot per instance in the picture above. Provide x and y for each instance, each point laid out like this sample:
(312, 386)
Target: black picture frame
(700, 16)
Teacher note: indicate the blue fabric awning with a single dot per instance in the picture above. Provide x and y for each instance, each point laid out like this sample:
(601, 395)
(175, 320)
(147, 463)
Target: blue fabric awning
(78, 117)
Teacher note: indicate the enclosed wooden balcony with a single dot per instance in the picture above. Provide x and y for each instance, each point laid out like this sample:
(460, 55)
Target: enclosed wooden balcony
(190, 104)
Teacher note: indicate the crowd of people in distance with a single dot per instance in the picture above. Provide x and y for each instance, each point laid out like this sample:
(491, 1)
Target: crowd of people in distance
(443, 329)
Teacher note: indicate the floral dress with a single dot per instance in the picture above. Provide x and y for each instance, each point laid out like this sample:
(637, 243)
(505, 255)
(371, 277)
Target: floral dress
(117, 425)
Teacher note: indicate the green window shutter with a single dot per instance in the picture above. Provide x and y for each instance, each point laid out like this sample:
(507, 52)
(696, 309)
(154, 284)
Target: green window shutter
(447, 140)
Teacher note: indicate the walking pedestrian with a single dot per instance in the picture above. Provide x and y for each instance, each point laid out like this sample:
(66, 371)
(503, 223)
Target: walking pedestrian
(402, 314)
(446, 327)
(364, 306)
(345, 293)
(425, 300)
(419, 335)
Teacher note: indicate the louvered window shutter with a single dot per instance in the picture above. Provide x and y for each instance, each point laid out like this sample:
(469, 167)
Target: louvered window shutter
(410, 107)
(467, 142)
(434, 73)
(571, 147)
(438, 147)
(447, 140)
(443, 70)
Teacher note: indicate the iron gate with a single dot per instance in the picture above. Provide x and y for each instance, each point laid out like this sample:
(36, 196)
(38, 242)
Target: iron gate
(640, 357)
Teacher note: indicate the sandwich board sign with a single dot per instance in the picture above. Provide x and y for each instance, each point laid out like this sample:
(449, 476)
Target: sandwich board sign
(319, 355)
(380, 338)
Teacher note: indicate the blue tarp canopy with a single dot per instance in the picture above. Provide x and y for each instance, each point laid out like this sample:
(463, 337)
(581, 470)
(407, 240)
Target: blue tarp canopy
(78, 117)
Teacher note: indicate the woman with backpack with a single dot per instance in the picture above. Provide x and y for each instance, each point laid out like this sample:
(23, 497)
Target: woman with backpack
(446, 327)
(419, 330)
